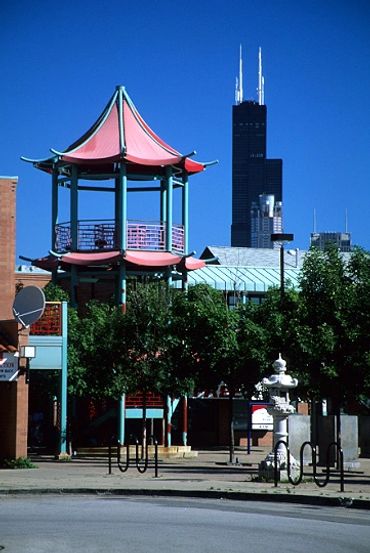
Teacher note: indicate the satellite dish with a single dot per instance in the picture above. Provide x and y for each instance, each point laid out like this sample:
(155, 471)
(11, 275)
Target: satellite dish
(29, 305)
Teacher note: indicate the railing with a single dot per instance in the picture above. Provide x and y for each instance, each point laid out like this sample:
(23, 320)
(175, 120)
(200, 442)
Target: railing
(321, 483)
(102, 235)
(50, 324)
(141, 463)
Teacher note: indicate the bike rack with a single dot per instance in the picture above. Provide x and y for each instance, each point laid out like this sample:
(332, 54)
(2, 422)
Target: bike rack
(320, 483)
(141, 463)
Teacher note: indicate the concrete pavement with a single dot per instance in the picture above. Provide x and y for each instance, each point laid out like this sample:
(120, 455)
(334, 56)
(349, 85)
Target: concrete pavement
(207, 475)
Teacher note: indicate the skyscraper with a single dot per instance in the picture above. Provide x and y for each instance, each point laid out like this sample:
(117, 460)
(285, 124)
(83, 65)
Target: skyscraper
(342, 240)
(266, 219)
(252, 173)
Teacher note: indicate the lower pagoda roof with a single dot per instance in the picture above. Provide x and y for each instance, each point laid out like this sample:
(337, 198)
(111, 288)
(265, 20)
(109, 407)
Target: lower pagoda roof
(134, 260)
(120, 134)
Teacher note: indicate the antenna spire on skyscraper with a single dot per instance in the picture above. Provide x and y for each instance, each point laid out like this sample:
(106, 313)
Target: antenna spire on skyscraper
(239, 81)
(261, 80)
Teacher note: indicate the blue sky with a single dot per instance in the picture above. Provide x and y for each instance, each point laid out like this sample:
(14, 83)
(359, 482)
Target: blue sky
(61, 62)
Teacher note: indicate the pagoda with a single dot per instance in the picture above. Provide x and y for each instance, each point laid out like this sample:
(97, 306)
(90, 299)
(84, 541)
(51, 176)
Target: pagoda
(119, 154)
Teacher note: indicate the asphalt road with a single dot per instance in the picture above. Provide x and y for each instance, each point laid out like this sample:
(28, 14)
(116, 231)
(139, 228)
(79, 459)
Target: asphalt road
(143, 525)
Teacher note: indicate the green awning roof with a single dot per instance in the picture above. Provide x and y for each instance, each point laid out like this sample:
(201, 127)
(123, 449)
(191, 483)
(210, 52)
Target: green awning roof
(241, 279)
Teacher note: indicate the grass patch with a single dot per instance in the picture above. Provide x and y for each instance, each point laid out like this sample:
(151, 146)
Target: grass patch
(20, 463)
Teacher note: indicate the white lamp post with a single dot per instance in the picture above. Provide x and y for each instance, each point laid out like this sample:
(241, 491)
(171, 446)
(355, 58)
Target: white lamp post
(28, 353)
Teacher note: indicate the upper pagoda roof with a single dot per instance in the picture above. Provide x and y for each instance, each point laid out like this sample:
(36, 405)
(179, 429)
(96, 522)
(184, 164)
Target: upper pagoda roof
(120, 134)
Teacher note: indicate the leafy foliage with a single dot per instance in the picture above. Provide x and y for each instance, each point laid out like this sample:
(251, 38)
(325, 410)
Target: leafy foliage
(53, 292)
(19, 463)
(176, 342)
(335, 320)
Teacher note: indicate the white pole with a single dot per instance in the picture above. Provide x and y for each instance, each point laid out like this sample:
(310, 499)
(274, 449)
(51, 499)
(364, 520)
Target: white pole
(260, 78)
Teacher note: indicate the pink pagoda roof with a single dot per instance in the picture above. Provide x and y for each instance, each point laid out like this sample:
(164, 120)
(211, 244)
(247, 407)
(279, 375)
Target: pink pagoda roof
(120, 133)
(133, 259)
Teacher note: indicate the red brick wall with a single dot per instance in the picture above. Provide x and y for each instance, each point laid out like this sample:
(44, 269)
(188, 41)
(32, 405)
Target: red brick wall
(8, 188)
(13, 395)
(14, 403)
(303, 408)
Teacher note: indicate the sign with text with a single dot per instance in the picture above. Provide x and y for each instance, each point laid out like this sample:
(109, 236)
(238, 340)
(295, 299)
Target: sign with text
(8, 367)
(261, 419)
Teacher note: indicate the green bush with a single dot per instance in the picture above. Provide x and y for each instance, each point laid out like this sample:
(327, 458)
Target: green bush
(20, 463)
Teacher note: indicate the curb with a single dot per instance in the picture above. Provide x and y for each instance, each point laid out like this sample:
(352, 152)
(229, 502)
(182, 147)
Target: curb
(346, 502)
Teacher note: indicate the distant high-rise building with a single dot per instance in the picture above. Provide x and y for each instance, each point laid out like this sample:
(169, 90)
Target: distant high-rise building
(342, 240)
(252, 173)
(266, 219)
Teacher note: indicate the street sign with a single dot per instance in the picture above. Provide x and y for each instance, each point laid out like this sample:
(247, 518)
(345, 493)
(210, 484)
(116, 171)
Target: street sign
(9, 370)
(261, 419)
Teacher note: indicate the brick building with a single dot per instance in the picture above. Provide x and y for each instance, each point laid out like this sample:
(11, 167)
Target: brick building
(8, 189)
(13, 395)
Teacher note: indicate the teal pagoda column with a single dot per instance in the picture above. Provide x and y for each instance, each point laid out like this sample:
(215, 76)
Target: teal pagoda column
(121, 230)
(63, 383)
(74, 208)
(169, 421)
(122, 419)
(74, 231)
(163, 203)
(54, 207)
(169, 211)
(185, 210)
(185, 222)
(169, 218)
(54, 216)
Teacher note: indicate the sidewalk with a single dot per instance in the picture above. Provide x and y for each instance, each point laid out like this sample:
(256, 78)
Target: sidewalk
(207, 475)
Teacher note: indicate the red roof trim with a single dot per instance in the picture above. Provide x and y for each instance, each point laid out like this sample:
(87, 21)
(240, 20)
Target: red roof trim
(150, 162)
(151, 259)
(100, 258)
(134, 258)
(192, 264)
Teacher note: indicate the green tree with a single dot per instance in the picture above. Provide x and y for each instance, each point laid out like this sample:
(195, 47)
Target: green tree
(322, 285)
(335, 321)
(356, 373)
(206, 333)
(218, 345)
(274, 327)
(254, 346)
(97, 352)
(53, 292)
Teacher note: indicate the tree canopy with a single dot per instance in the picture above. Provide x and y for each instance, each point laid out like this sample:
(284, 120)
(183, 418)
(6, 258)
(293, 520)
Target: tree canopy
(175, 342)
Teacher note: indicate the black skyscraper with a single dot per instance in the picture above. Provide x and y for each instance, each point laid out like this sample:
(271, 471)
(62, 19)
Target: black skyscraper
(252, 173)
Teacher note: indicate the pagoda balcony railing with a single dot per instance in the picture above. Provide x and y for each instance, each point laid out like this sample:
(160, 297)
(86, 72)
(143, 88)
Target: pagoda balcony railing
(102, 235)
